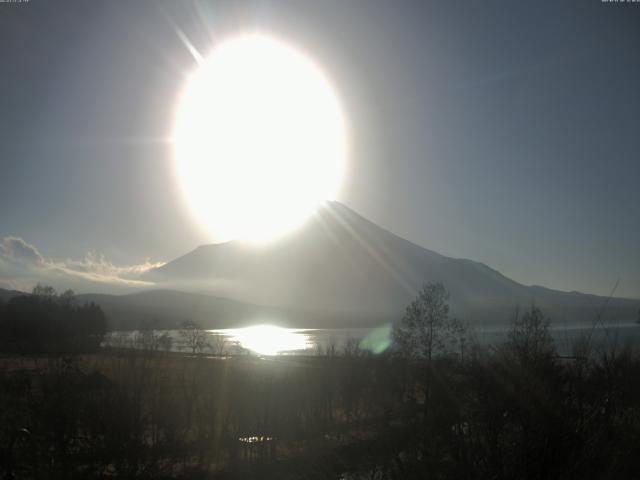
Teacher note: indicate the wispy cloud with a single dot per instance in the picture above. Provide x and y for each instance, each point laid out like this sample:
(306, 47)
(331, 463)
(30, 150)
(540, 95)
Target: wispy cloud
(22, 266)
(16, 249)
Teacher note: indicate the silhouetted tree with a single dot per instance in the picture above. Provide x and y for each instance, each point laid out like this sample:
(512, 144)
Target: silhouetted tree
(193, 337)
(45, 322)
(45, 292)
(218, 344)
(67, 298)
(426, 329)
(530, 339)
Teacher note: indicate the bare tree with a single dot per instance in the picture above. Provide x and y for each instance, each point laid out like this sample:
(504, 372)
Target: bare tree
(45, 292)
(67, 298)
(352, 348)
(218, 344)
(193, 337)
(165, 342)
(426, 329)
(530, 338)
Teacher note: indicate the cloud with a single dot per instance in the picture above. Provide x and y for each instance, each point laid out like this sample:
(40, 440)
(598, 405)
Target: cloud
(97, 268)
(16, 249)
(22, 266)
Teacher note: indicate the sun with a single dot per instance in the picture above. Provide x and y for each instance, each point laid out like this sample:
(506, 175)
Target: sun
(260, 139)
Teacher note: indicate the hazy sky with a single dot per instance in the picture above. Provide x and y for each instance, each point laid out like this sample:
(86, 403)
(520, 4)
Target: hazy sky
(505, 132)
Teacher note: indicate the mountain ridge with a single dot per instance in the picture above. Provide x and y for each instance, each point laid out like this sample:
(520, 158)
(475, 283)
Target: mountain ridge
(337, 269)
(339, 261)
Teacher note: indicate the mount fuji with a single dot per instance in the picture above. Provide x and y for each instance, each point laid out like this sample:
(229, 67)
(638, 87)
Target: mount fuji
(339, 268)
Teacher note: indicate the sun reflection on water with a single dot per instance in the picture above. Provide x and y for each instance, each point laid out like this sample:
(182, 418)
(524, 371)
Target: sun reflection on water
(269, 339)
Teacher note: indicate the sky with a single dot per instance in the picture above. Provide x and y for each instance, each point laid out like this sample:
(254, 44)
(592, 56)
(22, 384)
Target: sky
(504, 132)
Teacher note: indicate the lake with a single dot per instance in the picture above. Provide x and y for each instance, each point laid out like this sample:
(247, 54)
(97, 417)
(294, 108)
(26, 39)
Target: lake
(273, 340)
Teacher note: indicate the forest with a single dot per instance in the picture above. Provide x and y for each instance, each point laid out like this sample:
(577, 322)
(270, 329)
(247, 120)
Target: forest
(435, 405)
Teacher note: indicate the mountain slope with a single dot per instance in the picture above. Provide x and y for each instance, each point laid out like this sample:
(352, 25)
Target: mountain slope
(170, 308)
(339, 264)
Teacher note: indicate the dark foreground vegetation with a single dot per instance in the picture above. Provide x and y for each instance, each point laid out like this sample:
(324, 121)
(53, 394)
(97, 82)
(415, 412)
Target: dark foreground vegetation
(48, 322)
(434, 406)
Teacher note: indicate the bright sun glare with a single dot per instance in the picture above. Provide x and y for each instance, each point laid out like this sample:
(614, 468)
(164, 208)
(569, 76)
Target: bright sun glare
(268, 339)
(259, 139)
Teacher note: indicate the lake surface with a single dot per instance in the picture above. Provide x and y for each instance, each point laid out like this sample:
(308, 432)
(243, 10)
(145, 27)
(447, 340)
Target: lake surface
(273, 340)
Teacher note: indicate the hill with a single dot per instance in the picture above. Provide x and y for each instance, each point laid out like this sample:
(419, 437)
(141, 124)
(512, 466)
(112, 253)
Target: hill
(170, 308)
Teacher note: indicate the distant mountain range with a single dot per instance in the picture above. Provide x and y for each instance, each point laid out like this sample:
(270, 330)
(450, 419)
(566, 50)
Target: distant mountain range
(343, 269)
(338, 269)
